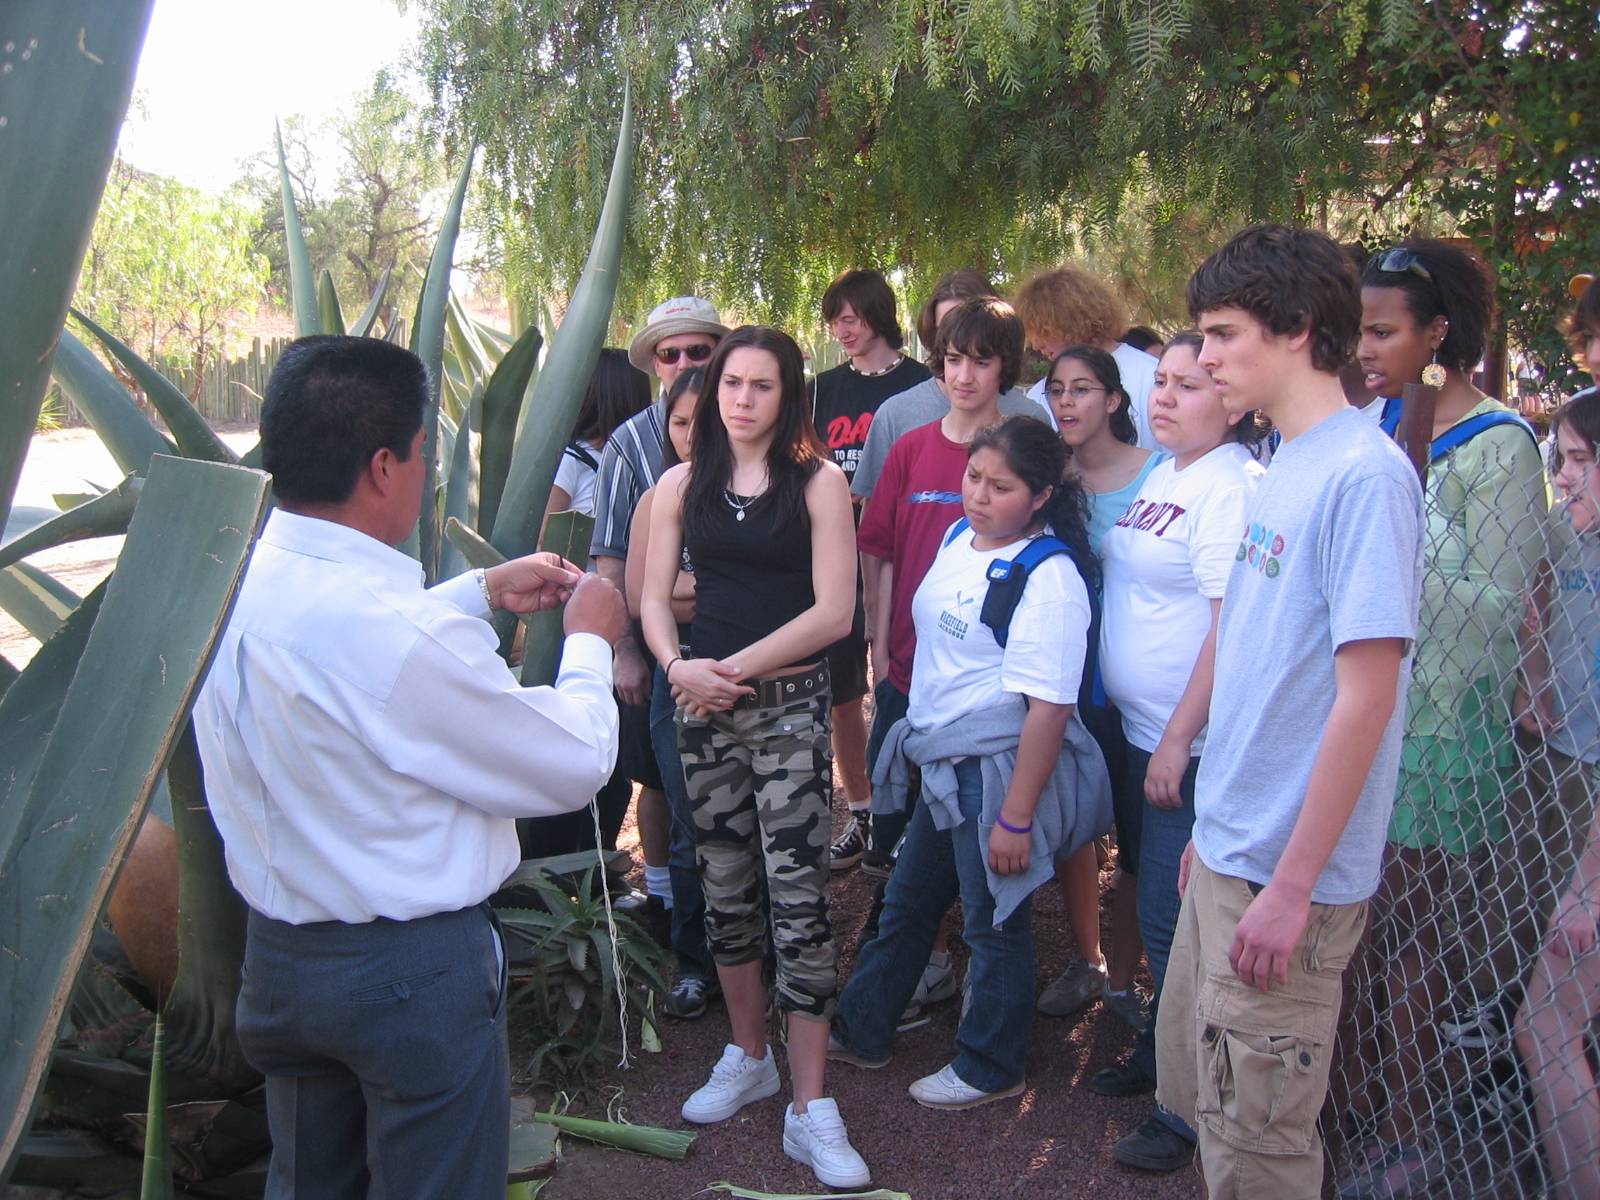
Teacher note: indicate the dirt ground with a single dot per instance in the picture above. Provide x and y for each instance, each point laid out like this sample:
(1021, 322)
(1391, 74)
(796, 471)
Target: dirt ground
(1053, 1141)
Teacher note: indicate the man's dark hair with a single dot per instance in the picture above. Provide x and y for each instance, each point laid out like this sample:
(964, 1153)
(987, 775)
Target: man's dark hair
(332, 403)
(985, 327)
(869, 294)
(1440, 280)
(962, 284)
(1291, 280)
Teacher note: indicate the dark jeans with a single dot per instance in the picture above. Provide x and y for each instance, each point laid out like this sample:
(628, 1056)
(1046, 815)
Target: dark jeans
(688, 897)
(935, 866)
(1164, 835)
(384, 1048)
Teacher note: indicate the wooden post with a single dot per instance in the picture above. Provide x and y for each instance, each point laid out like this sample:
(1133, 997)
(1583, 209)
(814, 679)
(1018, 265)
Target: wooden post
(1415, 434)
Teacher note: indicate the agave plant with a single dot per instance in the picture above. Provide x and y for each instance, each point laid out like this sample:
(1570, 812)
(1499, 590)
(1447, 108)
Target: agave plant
(97, 723)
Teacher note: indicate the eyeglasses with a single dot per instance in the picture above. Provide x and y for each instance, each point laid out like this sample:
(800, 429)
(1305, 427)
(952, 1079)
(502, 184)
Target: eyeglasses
(1399, 261)
(1078, 391)
(697, 353)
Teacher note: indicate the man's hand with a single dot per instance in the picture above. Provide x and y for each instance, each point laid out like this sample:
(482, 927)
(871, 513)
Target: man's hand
(532, 583)
(1163, 778)
(628, 673)
(596, 607)
(1267, 934)
(1184, 863)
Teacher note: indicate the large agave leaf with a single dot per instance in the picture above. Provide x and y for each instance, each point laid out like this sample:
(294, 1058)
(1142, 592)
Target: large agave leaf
(328, 305)
(104, 516)
(427, 343)
(472, 357)
(80, 777)
(69, 67)
(502, 409)
(302, 284)
(126, 432)
(192, 432)
(369, 315)
(547, 420)
(461, 486)
(35, 600)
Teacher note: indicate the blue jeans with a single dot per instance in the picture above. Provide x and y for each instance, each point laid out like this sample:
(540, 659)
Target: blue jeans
(935, 866)
(688, 898)
(1164, 835)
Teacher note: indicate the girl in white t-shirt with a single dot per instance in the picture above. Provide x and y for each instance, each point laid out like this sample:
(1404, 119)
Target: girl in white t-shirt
(617, 390)
(961, 675)
(1166, 561)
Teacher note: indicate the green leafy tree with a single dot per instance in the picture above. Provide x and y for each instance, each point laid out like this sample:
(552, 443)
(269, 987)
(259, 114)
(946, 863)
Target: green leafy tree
(784, 140)
(169, 266)
(376, 210)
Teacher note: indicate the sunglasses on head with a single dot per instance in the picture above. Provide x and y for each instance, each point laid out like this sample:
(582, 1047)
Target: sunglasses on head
(698, 353)
(1400, 261)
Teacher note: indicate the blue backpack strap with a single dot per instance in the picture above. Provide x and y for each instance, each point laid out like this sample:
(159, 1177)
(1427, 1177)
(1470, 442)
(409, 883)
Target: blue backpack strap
(1390, 420)
(955, 531)
(583, 454)
(1008, 578)
(1466, 430)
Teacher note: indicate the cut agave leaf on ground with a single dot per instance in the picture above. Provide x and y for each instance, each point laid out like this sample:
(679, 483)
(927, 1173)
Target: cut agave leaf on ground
(639, 1139)
(95, 733)
(533, 1150)
(744, 1193)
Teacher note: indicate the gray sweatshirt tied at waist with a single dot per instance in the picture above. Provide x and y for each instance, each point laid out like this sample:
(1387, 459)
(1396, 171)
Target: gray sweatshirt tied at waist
(1074, 807)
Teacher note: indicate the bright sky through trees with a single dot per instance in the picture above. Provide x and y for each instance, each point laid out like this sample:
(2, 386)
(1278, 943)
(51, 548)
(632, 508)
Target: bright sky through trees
(214, 74)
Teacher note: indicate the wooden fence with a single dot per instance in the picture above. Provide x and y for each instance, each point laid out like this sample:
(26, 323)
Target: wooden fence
(230, 392)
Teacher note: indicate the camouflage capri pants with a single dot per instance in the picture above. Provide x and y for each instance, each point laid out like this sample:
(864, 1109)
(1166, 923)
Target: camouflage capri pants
(760, 783)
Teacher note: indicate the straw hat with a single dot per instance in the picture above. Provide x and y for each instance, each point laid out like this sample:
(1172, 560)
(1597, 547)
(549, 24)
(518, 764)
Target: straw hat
(681, 314)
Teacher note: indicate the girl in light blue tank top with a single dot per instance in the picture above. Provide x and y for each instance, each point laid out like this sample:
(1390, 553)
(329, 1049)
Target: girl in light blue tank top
(1094, 415)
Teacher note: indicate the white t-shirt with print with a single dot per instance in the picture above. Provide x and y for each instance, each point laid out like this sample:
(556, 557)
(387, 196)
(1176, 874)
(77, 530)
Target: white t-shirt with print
(577, 479)
(959, 668)
(1164, 562)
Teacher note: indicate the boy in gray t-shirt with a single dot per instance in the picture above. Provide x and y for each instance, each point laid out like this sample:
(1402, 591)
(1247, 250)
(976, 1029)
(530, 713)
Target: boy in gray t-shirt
(1306, 713)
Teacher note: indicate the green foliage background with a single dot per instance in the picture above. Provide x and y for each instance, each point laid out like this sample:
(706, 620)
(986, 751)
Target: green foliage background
(782, 141)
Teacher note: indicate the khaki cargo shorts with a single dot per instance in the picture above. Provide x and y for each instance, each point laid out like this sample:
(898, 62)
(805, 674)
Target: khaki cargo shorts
(1249, 1069)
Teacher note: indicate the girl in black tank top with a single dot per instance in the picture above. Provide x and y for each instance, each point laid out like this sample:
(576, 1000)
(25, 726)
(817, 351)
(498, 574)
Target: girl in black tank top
(766, 518)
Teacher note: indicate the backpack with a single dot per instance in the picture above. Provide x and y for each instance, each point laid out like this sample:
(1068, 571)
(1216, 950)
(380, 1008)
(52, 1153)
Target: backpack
(1456, 435)
(1008, 578)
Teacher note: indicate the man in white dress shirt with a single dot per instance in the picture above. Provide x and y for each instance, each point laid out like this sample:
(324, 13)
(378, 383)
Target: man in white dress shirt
(366, 752)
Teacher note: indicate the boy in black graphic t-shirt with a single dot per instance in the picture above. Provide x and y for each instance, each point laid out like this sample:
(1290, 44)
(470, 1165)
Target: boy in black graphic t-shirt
(859, 309)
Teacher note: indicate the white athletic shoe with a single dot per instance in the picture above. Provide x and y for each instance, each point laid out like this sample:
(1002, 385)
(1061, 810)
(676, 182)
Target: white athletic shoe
(945, 1089)
(818, 1139)
(735, 1081)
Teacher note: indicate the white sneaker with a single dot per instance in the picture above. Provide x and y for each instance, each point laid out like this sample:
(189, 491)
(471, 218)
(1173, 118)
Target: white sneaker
(735, 1081)
(817, 1138)
(945, 1089)
(938, 979)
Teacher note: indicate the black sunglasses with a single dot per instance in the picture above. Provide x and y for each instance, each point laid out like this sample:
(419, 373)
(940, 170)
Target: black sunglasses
(698, 353)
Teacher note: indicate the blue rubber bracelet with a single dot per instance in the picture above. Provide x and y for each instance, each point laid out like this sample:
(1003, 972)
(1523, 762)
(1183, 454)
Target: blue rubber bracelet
(1010, 828)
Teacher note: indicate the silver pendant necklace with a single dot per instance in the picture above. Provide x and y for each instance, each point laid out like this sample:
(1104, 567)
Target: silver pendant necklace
(737, 503)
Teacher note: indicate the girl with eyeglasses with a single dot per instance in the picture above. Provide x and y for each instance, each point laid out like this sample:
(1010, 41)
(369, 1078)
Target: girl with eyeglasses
(1094, 414)
(766, 517)
(1426, 308)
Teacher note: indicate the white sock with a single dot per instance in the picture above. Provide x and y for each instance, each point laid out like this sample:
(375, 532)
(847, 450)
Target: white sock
(861, 809)
(658, 882)
(939, 958)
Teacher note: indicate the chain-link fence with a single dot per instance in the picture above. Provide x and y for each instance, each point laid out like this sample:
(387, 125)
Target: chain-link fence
(1466, 1063)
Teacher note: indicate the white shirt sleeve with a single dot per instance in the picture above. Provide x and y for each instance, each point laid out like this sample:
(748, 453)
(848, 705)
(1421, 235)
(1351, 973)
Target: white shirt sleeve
(1049, 635)
(1215, 531)
(552, 747)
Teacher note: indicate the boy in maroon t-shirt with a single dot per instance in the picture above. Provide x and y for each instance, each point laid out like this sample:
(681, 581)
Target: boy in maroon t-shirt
(978, 355)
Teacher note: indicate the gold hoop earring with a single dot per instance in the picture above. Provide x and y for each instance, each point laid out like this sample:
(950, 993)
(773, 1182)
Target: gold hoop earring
(1433, 374)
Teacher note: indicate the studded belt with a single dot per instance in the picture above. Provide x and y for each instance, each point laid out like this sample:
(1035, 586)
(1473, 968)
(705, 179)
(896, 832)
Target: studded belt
(785, 689)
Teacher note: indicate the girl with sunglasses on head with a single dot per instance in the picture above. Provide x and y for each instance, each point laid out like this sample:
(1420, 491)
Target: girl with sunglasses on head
(767, 521)
(1426, 312)
(1095, 416)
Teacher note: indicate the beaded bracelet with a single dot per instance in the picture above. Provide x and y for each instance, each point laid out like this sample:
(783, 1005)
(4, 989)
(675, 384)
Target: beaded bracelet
(1009, 827)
